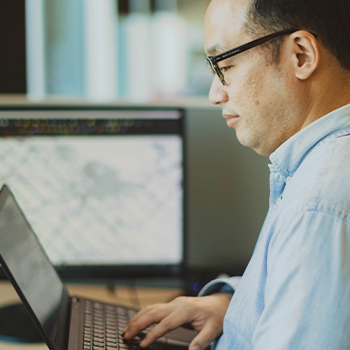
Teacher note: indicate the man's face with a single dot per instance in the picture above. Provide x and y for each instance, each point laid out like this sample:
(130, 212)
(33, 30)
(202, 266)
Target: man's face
(255, 100)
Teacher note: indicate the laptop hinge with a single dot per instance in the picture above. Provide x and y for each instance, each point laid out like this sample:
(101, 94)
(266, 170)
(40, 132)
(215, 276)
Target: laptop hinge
(75, 340)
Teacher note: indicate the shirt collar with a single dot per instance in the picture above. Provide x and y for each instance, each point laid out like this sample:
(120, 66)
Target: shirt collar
(287, 158)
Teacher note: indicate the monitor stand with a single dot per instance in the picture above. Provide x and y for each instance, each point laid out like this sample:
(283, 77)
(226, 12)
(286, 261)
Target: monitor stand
(17, 326)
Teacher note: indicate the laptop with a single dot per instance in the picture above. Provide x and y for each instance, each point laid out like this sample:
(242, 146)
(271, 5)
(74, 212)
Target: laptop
(65, 322)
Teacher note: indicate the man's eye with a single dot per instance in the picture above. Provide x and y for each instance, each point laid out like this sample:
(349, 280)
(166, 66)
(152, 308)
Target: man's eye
(225, 69)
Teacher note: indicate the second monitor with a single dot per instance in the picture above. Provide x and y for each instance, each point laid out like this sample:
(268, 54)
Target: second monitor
(102, 187)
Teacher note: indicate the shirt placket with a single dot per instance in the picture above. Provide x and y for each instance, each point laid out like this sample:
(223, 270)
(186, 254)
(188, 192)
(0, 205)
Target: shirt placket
(277, 185)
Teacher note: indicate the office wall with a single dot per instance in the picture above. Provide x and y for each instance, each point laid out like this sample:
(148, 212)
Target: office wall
(227, 194)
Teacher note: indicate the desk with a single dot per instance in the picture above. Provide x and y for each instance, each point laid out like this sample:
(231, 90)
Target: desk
(130, 296)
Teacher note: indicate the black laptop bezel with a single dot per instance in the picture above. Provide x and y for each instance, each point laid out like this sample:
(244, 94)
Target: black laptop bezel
(61, 340)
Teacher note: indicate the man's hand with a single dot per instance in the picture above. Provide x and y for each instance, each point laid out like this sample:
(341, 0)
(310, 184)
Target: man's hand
(206, 314)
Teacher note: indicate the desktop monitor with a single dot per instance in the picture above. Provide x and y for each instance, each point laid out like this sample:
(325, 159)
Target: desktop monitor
(101, 186)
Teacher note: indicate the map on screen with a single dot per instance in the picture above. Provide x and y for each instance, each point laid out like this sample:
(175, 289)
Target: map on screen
(99, 199)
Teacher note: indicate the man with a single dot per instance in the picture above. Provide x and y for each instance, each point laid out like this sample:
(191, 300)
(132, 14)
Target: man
(286, 97)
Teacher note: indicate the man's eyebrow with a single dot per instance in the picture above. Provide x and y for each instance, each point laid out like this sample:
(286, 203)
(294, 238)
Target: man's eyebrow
(215, 49)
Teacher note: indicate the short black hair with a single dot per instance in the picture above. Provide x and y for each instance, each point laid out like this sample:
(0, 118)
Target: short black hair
(328, 19)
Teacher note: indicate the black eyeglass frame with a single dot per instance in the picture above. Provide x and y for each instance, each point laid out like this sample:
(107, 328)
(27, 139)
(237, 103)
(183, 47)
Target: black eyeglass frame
(213, 60)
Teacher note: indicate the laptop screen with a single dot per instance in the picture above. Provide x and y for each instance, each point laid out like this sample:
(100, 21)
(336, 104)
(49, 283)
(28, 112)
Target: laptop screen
(101, 187)
(31, 272)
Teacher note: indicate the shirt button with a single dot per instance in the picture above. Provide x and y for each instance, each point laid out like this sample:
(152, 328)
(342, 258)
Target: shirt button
(289, 178)
(279, 200)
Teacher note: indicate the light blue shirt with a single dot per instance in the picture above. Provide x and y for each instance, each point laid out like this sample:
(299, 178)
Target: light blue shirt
(295, 292)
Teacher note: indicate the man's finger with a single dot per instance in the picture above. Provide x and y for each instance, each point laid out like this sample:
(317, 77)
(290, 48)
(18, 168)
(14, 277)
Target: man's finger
(205, 337)
(146, 310)
(170, 322)
(144, 319)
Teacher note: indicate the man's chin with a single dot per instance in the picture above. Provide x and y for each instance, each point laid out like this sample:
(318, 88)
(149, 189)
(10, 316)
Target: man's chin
(243, 139)
(246, 141)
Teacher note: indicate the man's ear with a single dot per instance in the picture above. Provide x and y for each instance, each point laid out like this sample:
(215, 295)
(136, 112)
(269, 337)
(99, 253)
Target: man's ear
(305, 53)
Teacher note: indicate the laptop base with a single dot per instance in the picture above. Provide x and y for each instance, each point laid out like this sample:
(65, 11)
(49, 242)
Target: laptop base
(16, 326)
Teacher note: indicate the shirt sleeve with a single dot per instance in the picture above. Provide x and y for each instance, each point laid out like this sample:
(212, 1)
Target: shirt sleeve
(307, 293)
(220, 285)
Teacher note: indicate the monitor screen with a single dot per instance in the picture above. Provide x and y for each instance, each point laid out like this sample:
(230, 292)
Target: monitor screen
(103, 188)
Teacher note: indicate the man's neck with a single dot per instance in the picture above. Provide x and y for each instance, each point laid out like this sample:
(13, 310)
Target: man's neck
(331, 92)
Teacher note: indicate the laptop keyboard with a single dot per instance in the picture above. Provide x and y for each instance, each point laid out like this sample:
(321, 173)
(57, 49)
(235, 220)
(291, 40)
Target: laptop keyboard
(103, 325)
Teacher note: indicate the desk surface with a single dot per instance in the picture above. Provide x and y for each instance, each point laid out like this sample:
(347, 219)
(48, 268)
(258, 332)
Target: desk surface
(131, 296)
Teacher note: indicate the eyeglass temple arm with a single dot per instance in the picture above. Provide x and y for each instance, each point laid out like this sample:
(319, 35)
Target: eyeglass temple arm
(250, 45)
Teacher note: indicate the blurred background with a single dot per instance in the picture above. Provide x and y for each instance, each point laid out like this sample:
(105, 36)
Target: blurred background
(133, 50)
(143, 52)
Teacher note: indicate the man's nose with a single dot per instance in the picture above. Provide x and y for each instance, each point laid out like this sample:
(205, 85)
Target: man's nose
(217, 92)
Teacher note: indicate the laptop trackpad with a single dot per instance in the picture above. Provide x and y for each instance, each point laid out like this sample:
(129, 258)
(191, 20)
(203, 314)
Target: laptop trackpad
(178, 338)
(182, 334)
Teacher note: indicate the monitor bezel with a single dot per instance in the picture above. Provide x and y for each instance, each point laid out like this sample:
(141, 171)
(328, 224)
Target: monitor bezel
(116, 272)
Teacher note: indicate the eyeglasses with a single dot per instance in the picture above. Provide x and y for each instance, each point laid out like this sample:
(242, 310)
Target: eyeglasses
(213, 60)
